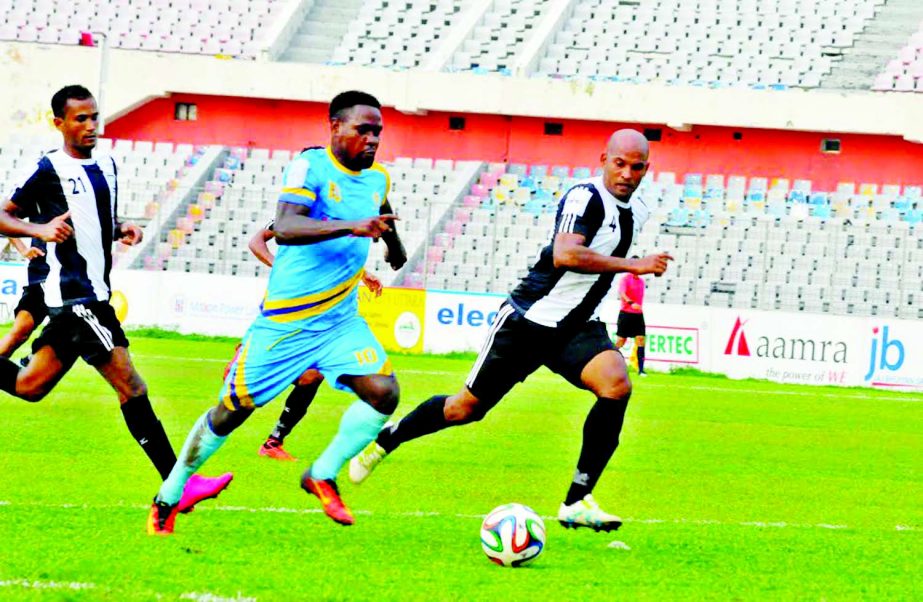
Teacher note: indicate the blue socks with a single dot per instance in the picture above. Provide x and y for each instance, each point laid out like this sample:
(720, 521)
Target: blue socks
(358, 427)
(201, 443)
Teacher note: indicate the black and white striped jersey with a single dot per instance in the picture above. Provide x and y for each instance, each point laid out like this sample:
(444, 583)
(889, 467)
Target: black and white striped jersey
(557, 297)
(78, 269)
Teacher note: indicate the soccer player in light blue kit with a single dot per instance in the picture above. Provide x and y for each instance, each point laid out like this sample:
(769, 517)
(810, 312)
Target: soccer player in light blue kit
(333, 204)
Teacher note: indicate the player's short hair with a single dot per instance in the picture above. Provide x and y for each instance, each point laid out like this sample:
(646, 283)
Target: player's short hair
(347, 100)
(60, 98)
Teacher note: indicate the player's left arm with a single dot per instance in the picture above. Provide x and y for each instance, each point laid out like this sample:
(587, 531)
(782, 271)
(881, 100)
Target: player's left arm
(395, 255)
(128, 233)
(27, 252)
(259, 248)
(372, 282)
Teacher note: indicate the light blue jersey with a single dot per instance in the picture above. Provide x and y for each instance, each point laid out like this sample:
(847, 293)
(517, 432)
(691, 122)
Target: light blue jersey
(313, 286)
(310, 315)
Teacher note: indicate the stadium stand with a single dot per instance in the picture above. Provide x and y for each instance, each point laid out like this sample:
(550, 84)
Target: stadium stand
(905, 72)
(496, 42)
(720, 42)
(223, 27)
(211, 233)
(396, 34)
(760, 244)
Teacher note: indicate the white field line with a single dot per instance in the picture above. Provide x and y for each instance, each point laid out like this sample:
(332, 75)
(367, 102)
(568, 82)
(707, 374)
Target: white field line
(673, 386)
(77, 586)
(431, 514)
(31, 584)
(209, 597)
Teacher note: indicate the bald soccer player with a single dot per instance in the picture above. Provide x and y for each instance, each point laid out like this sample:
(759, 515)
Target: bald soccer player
(552, 319)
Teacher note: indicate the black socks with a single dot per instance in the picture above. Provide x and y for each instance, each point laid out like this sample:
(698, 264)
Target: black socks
(148, 432)
(8, 372)
(640, 358)
(296, 406)
(426, 418)
(600, 439)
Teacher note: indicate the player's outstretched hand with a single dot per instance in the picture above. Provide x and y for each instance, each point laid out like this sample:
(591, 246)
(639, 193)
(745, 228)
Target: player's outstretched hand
(373, 283)
(653, 264)
(57, 230)
(131, 234)
(374, 227)
(33, 252)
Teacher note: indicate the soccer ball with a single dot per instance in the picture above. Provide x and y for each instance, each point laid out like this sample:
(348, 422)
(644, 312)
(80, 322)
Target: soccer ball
(512, 535)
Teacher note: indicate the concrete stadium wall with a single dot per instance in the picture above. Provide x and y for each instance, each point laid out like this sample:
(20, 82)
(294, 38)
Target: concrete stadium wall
(285, 124)
(32, 72)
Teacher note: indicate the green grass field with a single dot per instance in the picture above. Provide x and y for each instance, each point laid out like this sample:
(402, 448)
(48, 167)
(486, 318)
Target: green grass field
(730, 490)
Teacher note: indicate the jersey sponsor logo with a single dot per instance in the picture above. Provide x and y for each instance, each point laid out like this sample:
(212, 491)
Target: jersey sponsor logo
(376, 197)
(333, 192)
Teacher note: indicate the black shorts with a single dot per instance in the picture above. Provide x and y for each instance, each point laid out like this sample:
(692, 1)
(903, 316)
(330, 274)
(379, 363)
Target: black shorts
(516, 347)
(90, 331)
(33, 301)
(630, 325)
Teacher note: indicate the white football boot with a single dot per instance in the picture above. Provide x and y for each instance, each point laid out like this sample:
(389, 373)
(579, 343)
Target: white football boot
(362, 465)
(586, 513)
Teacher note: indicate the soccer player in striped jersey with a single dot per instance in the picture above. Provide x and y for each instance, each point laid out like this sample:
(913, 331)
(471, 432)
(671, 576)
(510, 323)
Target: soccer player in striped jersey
(305, 389)
(334, 203)
(70, 200)
(552, 319)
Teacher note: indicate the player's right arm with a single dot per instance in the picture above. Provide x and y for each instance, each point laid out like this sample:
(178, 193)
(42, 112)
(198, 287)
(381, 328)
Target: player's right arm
(295, 227)
(581, 216)
(57, 230)
(570, 252)
(294, 224)
(32, 187)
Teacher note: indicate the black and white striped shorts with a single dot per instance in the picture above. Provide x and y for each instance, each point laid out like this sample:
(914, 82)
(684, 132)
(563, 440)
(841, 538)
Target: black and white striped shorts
(88, 330)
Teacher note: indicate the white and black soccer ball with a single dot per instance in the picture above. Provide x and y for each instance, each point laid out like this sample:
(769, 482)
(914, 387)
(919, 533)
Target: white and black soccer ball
(512, 535)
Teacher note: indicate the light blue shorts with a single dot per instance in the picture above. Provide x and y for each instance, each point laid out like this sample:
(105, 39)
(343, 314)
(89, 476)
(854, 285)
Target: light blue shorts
(272, 358)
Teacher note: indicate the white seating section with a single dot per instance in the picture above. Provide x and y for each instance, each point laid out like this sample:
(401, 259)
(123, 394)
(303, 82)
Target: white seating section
(229, 214)
(226, 27)
(498, 39)
(905, 72)
(794, 265)
(764, 245)
(397, 35)
(712, 42)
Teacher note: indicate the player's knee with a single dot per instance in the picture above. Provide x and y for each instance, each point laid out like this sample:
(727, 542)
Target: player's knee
(223, 420)
(31, 388)
(384, 395)
(463, 411)
(310, 377)
(616, 388)
(137, 388)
